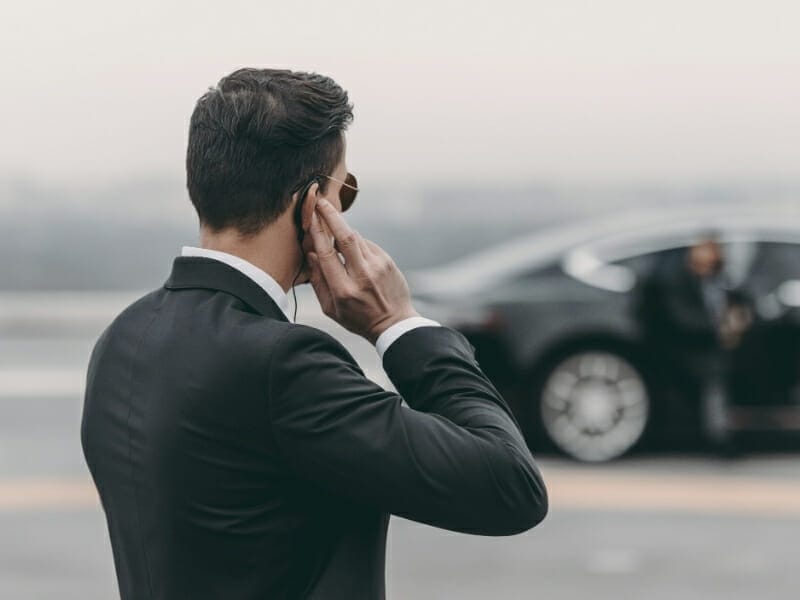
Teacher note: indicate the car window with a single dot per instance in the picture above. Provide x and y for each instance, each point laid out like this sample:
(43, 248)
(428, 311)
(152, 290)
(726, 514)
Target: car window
(739, 260)
(775, 262)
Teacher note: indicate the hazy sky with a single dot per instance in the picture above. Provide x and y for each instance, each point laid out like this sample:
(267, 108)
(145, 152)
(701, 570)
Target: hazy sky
(564, 90)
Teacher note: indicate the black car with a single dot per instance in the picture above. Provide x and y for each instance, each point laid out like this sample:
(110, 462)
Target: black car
(551, 317)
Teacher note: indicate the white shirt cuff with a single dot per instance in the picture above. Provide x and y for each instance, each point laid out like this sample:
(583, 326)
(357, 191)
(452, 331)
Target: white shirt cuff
(390, 336)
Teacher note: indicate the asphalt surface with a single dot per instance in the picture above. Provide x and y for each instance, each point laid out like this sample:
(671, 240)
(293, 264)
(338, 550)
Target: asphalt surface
(661, 526)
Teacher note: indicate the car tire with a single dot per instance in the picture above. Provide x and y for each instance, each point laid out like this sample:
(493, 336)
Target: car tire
(593, 405)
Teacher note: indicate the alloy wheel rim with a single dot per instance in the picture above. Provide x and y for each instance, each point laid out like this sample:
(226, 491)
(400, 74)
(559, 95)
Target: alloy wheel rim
(595, 406)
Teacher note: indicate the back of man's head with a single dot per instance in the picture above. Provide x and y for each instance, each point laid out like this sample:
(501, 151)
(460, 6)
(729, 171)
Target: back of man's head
(257, 137)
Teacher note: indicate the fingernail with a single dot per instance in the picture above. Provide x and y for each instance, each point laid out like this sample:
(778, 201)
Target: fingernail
(323, 202)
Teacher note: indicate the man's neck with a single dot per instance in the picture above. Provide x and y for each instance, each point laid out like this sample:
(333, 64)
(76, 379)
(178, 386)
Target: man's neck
(271, 250)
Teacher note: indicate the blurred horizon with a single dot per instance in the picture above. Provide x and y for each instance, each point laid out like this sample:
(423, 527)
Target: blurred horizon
(91, 237)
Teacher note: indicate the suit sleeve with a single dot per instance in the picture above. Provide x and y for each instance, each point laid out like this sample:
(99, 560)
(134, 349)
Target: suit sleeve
(454, 458)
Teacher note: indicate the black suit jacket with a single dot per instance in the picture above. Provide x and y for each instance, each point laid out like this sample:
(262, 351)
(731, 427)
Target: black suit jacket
(240, 456)
(671, 305)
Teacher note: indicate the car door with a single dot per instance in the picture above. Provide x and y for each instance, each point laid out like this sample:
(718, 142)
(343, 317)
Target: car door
(766, 366)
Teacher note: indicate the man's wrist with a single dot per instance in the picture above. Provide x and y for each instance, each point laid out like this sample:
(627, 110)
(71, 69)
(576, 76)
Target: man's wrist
(390, 322)
(396, 330)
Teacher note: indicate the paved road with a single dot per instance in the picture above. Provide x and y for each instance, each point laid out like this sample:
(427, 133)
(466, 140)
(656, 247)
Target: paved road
(649, 527)
(690, 545)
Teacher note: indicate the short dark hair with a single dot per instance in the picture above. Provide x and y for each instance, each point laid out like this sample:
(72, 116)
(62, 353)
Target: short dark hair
(256, 138)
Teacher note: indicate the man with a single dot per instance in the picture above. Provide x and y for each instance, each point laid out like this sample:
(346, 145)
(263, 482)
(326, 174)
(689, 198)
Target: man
(241, 456)
(693, 319)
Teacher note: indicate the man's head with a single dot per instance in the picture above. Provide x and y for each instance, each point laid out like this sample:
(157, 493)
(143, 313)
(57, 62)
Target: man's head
(705, 255)
(259, 136)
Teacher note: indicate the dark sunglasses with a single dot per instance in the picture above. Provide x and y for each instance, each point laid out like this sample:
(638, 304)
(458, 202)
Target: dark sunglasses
(347, 195)
(348, 191)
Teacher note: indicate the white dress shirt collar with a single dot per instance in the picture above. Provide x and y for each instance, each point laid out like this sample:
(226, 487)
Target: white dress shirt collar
(261, 277)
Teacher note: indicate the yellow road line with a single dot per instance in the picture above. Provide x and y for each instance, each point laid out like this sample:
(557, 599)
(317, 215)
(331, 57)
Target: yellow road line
(40, 494)
(569, 489)
(717, 494)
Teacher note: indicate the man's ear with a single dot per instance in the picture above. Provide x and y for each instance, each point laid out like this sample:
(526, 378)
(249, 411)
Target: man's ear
(310, 205)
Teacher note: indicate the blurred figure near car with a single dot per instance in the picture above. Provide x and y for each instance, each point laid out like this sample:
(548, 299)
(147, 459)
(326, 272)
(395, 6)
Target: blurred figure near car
(694, 319)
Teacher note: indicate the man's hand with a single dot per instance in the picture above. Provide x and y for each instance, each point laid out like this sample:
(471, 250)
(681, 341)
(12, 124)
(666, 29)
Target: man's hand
(366, 293)
(736, 322)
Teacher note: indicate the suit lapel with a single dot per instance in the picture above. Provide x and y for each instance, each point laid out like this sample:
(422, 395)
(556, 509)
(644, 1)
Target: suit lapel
(206, 273)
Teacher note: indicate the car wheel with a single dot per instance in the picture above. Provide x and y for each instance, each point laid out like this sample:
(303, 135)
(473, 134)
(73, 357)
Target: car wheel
(594, 405)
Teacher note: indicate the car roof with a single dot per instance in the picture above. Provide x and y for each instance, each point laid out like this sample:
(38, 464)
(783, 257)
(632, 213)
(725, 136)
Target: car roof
(628, 232)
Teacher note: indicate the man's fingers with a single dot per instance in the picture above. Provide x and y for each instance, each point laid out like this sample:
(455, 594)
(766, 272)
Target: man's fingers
(347, 240)
(374, 247)
(365, 301)
(327, 258)
(365, 248)
(376, 250)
